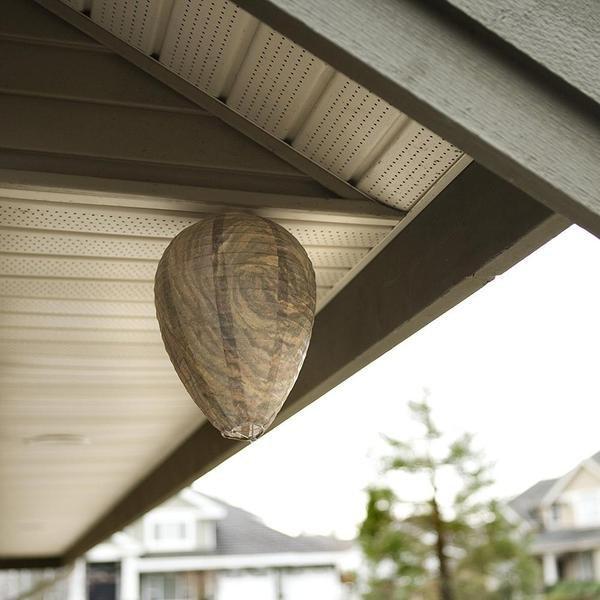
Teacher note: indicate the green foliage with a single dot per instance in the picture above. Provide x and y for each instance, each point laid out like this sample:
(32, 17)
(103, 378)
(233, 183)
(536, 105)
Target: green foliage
(495, 564)
(419, 550)
(383, 542)
(575, 590)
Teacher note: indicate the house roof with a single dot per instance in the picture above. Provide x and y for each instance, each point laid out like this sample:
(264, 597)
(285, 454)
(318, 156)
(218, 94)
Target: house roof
(241, 532)
(525, 503)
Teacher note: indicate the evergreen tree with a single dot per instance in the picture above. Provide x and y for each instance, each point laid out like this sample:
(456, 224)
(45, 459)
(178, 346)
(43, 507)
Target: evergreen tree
(452, 545)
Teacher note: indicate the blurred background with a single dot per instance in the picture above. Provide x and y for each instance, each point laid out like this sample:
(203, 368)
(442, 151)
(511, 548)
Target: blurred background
(324, 506)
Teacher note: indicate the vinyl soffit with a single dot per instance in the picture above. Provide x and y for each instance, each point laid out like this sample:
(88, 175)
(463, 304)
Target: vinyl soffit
(281, 87)
(68, 268)
(69, 244)
(66, 250)
(82, 273)
(141, 223)
(76, 298)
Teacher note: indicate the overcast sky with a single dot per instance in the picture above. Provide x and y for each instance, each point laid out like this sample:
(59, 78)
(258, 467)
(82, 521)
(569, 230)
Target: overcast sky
(517, 364)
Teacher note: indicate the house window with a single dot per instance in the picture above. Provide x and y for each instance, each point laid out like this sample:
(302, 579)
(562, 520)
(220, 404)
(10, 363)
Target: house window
(171, 586)
(587, 508)
(555, 513)
(170, 531)
(174, 531)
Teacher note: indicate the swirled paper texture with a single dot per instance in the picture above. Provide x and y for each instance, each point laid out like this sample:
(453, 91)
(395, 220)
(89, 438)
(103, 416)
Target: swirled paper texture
(235, 301)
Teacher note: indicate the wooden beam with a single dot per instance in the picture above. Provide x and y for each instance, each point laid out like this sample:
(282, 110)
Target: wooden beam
(28, 21)
(95, 75)
(78, 165)
(476, 228)
(432, 61)
(212, 105)
(170, 144)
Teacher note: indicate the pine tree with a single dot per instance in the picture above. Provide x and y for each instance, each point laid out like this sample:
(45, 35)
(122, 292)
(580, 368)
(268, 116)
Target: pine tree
(449, 546)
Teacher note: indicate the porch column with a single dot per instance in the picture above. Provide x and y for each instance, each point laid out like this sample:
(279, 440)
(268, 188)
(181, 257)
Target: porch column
(76, 583)
(130, 579)
(550, 569)
(596, 565)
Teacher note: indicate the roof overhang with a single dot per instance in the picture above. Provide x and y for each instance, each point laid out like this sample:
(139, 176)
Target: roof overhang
(425, 61)
(515, 105)
(580, 541)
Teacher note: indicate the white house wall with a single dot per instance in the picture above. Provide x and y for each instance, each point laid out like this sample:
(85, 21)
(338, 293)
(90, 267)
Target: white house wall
(233, 586)
(304, 584)
(228, 562)
(291, 584)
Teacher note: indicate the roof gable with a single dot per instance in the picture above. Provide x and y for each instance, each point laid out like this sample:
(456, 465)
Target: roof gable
(586, 477)
(241, 532)
(591, 469)
(546, 492)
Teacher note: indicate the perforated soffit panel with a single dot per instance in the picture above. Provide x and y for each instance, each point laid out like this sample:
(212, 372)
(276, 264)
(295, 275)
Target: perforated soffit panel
(84, 252)
(284, 89)
(81, 354)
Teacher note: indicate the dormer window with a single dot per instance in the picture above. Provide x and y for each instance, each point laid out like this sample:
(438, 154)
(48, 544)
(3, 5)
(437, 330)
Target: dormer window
(174, 531)
(170, 530)
(186, 523)
(555, 513)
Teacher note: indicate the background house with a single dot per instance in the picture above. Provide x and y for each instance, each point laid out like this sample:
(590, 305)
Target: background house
(193, 546)
(564, 513)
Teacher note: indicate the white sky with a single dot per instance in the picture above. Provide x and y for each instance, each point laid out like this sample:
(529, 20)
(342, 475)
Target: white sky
(517, 364)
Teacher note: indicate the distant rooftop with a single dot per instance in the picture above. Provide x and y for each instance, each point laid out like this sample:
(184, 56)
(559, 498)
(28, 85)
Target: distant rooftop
(241, 532)
(526, 503)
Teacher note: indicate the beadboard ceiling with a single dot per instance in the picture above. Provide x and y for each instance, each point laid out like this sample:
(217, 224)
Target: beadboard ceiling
(89, 401)
(81, 354)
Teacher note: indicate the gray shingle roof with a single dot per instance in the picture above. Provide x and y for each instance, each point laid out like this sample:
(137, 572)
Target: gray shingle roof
(240, 532)
(526, 503)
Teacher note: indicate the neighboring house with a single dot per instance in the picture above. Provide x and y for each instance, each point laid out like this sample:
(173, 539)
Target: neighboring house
(195, 547)
(564, 515)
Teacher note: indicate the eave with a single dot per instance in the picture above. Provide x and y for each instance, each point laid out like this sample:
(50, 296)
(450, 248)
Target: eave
(536, 134)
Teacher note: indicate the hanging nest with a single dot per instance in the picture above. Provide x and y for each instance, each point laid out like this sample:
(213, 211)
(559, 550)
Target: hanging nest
(235, 301)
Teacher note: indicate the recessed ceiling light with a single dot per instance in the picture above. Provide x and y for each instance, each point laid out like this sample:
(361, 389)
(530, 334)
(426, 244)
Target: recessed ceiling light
(57, 439)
